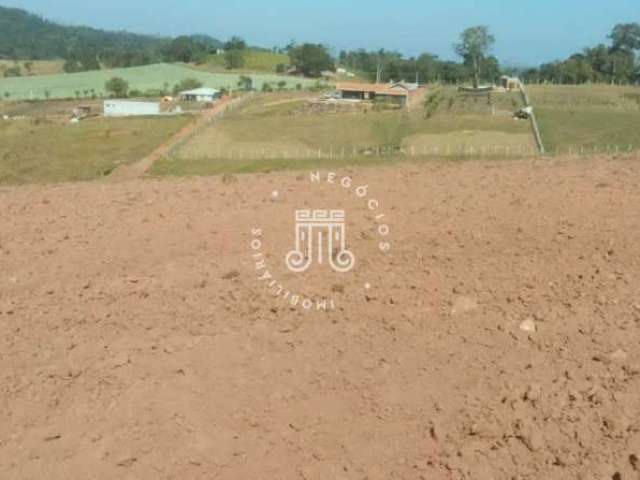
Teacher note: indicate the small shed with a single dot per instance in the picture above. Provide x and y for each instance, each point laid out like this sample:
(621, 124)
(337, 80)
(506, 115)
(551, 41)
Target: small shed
(201, 95)
(128, 108)
(509, 83)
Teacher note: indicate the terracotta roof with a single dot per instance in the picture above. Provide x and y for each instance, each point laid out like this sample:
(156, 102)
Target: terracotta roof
(377, 88)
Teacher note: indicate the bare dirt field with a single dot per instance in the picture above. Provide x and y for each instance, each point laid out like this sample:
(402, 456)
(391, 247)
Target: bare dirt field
(498, 338)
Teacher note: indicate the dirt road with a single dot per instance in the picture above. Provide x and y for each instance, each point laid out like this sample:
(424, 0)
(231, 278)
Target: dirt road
(497, 339)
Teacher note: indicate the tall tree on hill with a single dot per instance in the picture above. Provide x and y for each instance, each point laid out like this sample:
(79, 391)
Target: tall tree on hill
(473, 46)
(625, 39)
(235, 43)
(184, 49)
(234, 59)
(311, 59)
(626, 36)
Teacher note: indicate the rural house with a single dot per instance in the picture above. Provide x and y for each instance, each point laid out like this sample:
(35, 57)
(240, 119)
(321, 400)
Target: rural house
(201, 95)
(371, 91)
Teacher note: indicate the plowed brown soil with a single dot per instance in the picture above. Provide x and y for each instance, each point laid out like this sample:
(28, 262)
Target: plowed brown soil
(498, 338)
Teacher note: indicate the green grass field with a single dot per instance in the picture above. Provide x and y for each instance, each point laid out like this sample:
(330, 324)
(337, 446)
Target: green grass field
(43, 152)
(151, 77)
(588, 117)
(255, 60)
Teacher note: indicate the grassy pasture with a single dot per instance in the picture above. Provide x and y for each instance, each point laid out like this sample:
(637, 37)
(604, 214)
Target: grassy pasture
(42, 152)
(255, 60)
(140, 78)
(277, 132)
(587, 117)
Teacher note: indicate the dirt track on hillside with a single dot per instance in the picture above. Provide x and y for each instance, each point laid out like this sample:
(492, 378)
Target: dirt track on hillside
(136, 341)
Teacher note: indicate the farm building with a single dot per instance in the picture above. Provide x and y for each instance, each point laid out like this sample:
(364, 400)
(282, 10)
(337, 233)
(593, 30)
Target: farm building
(370, 91)
(128, 108)
(408, 86)
(201, 95)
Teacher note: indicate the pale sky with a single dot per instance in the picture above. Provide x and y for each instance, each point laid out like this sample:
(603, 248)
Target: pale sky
(527, 32)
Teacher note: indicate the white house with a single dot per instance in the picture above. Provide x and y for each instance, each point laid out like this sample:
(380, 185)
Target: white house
(200, 95)
(128, 108)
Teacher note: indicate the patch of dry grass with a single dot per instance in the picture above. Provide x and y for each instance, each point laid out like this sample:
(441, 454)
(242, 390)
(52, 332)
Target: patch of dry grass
(42, 152)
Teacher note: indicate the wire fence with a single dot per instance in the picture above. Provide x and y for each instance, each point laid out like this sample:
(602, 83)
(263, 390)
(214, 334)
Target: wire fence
(435, 151)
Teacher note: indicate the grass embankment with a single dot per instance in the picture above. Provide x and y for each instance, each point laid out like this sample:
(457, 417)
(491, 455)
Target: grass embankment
(44, 152)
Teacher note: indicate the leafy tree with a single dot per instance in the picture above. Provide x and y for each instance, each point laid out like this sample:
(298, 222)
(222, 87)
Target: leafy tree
(184, 49)
(626, 36)
(28, 66)
(235, 43)
(311, 59)
(245, 83)
(81, 60)
(282, 85)
(117, 87)
(234, 59)
(473, 47)
(186, 84)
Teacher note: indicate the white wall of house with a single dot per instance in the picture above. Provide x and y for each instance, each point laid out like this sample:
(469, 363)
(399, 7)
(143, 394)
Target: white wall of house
(127, 108)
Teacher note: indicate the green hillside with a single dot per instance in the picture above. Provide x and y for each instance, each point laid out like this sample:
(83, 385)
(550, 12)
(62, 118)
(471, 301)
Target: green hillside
(150, 77)
(25, 35)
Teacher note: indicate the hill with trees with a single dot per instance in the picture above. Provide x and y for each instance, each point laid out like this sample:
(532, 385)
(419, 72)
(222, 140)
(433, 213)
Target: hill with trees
(27, 36)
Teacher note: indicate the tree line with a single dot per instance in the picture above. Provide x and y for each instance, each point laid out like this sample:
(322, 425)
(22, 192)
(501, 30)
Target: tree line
(615, 62)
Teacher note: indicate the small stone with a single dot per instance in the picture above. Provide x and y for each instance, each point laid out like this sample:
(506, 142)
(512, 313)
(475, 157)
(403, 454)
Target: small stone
(231, 275)
(462, 305)
(120, 360)
(618, 356)
(127, 462)
(529, 326)
(533, 392)
(532, 439)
